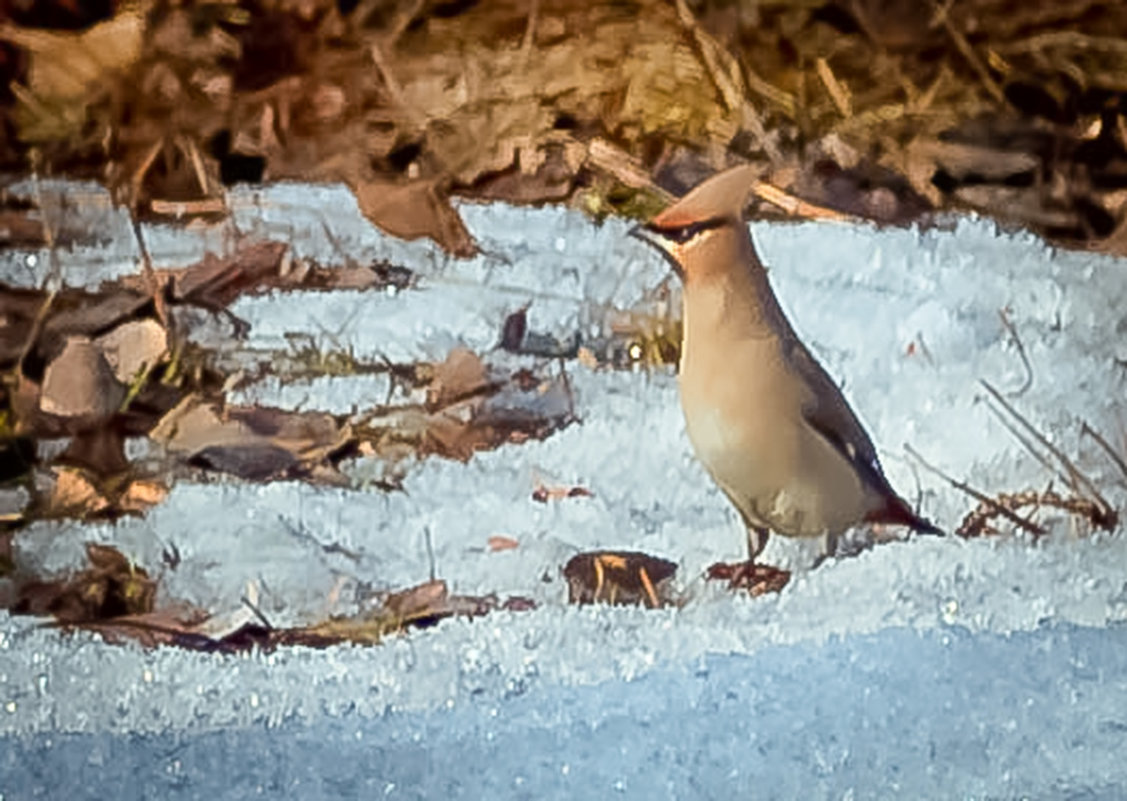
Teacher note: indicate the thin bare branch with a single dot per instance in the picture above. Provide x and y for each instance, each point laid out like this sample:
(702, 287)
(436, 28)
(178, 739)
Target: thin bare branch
(1103, 443)
(258, 613)
(1023, 523)
(1079, 482)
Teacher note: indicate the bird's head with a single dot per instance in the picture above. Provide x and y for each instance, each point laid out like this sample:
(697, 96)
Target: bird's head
(690, 232)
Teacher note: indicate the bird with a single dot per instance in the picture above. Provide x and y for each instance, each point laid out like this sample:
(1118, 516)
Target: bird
(765, 419)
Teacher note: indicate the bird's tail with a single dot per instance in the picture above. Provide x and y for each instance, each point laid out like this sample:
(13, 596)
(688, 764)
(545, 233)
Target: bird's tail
(897, 512)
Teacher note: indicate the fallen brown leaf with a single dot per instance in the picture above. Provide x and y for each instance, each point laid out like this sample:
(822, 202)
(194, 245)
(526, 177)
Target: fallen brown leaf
(623, 578)
(65, 67)
(414, 210)
(543, 493)
(133, 348)
(415, 607)
(79, 383)
(756, 579)
(18, 229)
(110, 587)
(499, 542)
(251, 442)
(75, 494)
(215, 282)
(141, 495)
(100, 449)
(461, 376)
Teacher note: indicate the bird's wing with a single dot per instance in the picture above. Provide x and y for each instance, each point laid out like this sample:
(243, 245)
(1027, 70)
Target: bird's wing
(827, 412)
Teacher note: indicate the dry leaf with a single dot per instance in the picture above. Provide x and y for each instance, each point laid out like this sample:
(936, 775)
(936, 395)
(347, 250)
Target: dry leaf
(461, 376)
(80, 383)
(620, 578)
(251, 442)
(499, 542)
(215, 282)
(110, 587)
(74, 494)
(100, 449)
(141, 495)
(134, 347)
(63, 69)
(414, 210)
(755, 578)
(195, 424)
(19, 229)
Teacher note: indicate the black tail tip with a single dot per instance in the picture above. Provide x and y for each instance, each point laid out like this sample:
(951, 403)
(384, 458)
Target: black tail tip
(921, 526)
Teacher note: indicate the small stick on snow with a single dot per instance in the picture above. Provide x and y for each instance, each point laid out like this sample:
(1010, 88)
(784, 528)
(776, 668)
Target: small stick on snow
(981, 497)
(430, 552)
(1110, 451)
(1009, 326)
(52, 282)
(185, 208)
(253, 607)
(1077, 480)
(152, 283)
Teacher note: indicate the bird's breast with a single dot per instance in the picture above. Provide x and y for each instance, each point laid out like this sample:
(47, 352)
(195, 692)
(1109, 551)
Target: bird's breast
(731, 410)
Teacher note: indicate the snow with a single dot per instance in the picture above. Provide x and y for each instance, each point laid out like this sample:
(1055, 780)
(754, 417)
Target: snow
(896, 714)
(933, 667)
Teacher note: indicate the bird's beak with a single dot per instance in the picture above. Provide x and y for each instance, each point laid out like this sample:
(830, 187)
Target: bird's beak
(640, 233)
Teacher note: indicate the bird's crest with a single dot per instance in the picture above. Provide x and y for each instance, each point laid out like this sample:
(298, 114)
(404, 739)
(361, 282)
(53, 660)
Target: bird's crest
(721, 197)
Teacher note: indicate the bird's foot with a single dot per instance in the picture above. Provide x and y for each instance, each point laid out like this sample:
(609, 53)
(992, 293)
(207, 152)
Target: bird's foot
(755, 578)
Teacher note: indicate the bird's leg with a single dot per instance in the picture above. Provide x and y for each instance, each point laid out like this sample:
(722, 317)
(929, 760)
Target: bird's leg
(829, 548)
(743, 575)
(756, 578)
(757, 537)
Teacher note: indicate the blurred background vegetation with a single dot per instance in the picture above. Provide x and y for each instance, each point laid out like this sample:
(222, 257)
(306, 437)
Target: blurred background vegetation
(888, 110)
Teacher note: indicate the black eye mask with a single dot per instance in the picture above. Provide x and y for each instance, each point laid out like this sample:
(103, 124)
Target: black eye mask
(684, 233)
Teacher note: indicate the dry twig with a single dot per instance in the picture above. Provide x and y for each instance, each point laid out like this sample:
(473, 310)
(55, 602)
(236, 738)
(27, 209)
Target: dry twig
(977, 522)
(963, 46)
(796, 207)
(1103, 443)
(1005, 318)
(838, 93)
(981, 497)
(1076, 479)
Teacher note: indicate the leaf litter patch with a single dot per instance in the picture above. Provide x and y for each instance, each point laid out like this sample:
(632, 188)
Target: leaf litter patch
(105, 399)
(122, 602)
(119, 601)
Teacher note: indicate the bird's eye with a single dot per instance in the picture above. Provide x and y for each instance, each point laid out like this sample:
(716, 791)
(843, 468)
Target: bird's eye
(682, 235)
